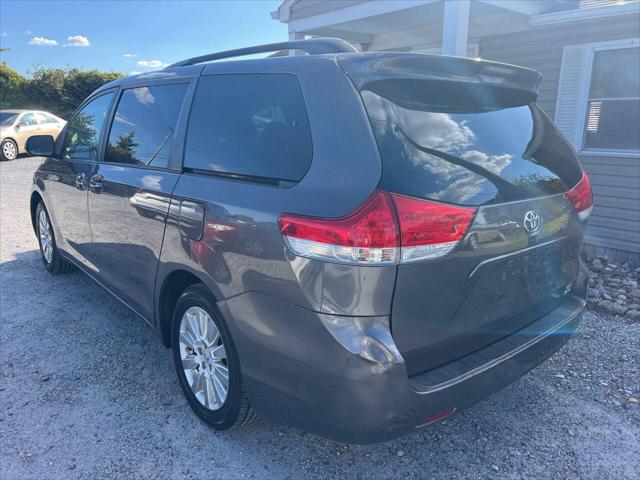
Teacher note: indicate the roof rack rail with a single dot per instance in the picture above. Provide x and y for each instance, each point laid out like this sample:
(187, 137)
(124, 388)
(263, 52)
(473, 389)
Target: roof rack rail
(314, 46)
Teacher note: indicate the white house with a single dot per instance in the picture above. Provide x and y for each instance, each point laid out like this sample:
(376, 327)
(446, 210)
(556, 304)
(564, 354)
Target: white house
(587, 50)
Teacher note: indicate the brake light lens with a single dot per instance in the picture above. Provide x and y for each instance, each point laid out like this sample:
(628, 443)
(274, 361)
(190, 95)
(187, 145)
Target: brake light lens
(581, 197)
(367, 236)
(386, 229)
(429, 229)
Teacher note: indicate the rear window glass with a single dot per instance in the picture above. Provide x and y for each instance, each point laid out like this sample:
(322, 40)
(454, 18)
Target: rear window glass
(474, 152)
(249, 125)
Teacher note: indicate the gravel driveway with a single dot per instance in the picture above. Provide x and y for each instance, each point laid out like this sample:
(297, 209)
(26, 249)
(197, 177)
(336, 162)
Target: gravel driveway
(87, 391)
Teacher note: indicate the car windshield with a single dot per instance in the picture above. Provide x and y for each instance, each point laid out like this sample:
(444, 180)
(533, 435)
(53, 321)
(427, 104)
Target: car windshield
(7, 118)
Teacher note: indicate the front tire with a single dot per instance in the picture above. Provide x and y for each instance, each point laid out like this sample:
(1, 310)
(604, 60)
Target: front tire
(206, 362)
(8, 149)
(51, 257)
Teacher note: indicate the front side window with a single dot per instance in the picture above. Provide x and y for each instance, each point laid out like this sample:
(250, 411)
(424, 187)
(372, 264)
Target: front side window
(7, 118)
(83, 134)
(251, 125)
(613, 105)
(144, 125)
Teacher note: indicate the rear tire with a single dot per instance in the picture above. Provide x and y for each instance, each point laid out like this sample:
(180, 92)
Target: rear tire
(51, 256)
(198, 333)
(8, 149)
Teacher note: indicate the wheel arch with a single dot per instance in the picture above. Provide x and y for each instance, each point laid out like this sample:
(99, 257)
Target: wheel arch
(35, 199)
(173, 284)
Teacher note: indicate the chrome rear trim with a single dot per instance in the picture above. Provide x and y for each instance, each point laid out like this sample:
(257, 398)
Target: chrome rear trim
(513, 254)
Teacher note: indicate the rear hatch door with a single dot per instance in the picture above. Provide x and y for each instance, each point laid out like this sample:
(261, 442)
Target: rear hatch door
(469, 133)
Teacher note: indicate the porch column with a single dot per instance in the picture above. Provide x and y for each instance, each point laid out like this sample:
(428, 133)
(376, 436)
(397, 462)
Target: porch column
(455, 27)
(295, 36)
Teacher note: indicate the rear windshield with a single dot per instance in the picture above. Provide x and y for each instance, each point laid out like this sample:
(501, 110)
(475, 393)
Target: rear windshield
(469, 150)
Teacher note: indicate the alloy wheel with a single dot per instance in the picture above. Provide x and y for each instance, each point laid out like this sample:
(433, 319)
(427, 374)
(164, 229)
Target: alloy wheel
(204, 359)
(46, 238)
(9, 150)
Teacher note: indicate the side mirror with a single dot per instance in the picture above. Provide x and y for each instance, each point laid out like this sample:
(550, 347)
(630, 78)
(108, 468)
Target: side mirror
(40, 145)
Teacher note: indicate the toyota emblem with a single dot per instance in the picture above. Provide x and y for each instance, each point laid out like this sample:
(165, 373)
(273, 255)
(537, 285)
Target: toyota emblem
(532, 222)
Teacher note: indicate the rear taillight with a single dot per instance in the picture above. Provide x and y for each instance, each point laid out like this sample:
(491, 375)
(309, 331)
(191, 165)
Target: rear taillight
(386, 229)
(429, 230)
(367, 236)
(581, 197)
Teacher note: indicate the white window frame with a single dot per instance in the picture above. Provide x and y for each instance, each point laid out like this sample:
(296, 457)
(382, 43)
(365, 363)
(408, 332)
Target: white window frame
(589, 52)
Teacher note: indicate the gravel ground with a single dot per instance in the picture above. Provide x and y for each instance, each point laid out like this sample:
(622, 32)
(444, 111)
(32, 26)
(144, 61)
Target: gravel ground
(86, 391)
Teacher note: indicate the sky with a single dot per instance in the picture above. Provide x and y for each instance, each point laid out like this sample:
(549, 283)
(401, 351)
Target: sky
(129, 36)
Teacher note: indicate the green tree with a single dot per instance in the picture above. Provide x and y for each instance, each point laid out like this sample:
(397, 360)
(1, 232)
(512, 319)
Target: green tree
(62, 90)
(57, 90)
(124, 149)
(11, 87)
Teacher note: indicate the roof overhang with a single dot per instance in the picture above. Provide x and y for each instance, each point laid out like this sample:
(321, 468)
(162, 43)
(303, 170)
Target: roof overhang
(581, 14)
(380, 7)
(364, 22)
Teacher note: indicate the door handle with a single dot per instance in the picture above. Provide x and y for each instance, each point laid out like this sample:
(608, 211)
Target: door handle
(96, 183)
(79, 182)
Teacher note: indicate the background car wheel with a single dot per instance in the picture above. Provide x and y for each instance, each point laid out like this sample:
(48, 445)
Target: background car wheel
(207, 363)
(49, 252)
(8, 149)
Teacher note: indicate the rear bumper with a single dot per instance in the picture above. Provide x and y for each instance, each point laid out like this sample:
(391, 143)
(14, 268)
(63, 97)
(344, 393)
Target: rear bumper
(296, 373)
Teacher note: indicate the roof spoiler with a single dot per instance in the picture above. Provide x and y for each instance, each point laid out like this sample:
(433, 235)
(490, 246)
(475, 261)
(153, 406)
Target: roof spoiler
(368, 68)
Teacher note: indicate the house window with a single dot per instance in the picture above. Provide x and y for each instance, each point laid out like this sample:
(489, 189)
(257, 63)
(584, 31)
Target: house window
(612, 112)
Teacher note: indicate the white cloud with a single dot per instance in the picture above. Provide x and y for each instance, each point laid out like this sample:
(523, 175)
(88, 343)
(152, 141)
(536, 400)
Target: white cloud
(152, 182)
(144, 96)
(121, 119)
(129, 55)
(494, 163)
(4, 34)
(28, 32)
(41, 41)
(151, 63)
(134, 72)
(78, 41)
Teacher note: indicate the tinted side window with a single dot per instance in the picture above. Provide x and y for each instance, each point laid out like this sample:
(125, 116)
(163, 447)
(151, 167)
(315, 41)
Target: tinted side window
(144, 125)
(83, 131)
(253, 125)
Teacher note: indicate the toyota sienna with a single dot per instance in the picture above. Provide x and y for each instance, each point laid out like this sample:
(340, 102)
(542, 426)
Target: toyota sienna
(356, 244)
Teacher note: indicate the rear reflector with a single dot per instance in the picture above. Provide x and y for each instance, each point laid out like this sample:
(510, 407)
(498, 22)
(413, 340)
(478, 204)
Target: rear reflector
(386, 229)
(438, 416)
(429, 230)
(581, 197)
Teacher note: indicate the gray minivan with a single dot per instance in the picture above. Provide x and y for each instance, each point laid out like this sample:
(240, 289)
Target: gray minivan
(356, 244)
